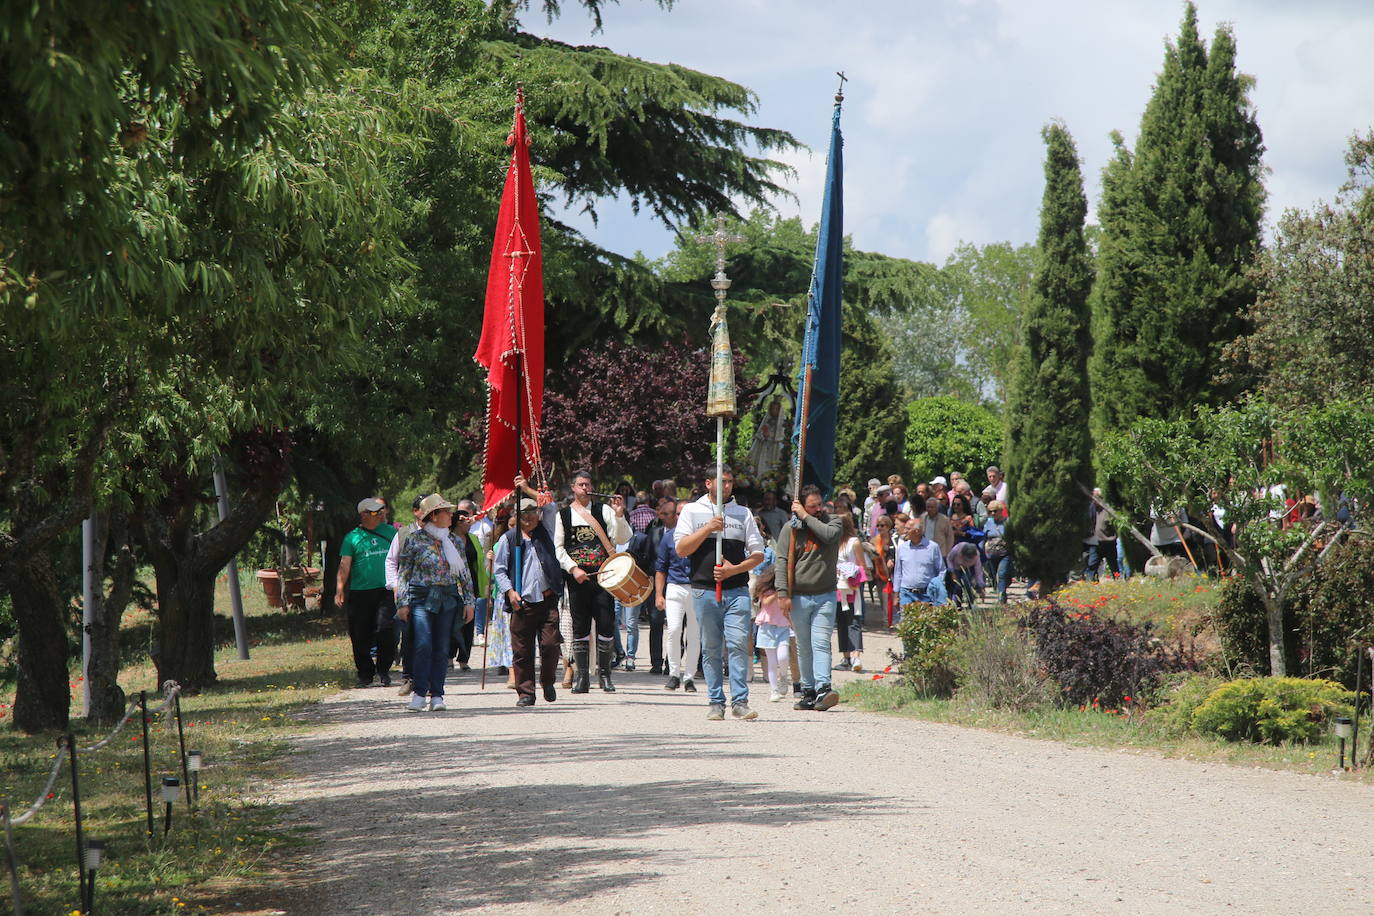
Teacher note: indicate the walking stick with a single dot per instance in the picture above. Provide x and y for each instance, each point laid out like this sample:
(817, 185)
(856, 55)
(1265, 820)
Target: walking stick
(491, 609)
(1184, 541)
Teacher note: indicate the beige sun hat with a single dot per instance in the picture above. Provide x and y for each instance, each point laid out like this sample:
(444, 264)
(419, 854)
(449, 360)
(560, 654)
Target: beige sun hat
(433, 503)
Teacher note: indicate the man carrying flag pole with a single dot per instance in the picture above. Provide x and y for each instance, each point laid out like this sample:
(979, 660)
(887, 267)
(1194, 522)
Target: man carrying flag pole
(807, 590)
(720, 571)
(512, 351)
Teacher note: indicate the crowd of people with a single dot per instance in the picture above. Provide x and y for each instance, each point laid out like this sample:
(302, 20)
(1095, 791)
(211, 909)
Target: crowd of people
(723, 585)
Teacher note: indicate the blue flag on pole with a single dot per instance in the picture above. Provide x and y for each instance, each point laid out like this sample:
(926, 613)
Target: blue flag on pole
(818, 388)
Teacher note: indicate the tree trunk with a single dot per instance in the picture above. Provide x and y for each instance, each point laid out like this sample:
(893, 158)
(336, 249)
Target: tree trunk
(42, 697)
(113, 556)
(185, 649)
(1273, 615)
(186, 565)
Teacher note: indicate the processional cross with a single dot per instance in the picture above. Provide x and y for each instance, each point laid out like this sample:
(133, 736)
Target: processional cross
(720, 389)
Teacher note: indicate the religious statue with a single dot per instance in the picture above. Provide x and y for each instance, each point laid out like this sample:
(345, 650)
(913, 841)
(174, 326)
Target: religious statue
(770, 438)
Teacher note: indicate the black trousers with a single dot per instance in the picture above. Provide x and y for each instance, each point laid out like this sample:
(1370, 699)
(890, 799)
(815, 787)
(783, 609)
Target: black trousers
(657, 620)
(371, 622)
(530, 624)
(587, 602)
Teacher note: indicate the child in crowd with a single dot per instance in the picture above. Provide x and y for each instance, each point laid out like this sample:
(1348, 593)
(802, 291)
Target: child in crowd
(774, 631)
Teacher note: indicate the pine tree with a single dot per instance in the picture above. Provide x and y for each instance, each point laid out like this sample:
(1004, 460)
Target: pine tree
(1048, 446)
(1180, 228)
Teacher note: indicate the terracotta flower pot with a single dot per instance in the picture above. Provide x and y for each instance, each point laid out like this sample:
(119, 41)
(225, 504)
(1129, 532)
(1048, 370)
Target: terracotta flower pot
(271, 586)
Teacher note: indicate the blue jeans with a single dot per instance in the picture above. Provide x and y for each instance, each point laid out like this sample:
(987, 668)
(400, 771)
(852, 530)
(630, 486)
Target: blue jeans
(479, 618)
(907, 595)
(998, 571)
(629, 618)
(724, 629)
(813, 620)
(432, 610)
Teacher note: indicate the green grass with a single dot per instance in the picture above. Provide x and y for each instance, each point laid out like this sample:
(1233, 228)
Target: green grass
(218, 859)
(1088, 728)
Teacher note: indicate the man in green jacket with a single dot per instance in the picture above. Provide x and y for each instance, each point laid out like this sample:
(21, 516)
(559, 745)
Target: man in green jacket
(808, 551)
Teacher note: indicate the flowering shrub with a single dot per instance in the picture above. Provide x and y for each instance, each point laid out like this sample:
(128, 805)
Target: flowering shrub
(1272, 709)
(1098, 661)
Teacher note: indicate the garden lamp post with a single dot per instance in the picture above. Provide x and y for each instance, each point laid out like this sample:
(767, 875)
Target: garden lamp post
(171, 791)
(1344, 729)
(195, 762)
(95, 851)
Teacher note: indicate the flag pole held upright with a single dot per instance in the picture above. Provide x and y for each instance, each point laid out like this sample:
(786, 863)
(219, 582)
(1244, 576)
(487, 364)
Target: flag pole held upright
(512, 344)
(818, 383)
(720, 389)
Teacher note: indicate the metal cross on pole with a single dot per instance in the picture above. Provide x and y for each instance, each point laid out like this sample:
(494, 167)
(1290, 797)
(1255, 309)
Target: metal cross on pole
(720, 390)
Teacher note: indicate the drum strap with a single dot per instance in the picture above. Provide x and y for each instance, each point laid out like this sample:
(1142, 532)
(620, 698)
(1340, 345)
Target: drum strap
(592, 520)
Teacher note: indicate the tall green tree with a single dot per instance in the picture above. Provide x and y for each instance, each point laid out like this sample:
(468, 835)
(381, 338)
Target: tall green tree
(1048, 446)
(1313, 321)
(1180, 220)
(114, 110)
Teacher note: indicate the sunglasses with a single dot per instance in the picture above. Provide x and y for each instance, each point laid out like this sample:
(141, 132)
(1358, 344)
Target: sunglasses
(373, 511)
(461, 515)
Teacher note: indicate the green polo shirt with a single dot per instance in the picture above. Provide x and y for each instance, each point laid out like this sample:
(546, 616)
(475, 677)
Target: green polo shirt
(368, 550)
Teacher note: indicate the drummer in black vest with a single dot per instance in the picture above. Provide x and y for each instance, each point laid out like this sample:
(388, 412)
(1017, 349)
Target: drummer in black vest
(534, 608)
(583, 535)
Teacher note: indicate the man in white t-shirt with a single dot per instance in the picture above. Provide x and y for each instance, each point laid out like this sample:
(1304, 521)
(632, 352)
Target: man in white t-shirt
(724, 622)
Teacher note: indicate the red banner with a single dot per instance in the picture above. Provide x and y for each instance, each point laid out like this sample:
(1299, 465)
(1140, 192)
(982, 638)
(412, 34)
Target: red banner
(512, 344)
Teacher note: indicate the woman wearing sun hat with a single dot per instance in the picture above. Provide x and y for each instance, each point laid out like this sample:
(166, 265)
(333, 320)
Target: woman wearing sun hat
(438, 583)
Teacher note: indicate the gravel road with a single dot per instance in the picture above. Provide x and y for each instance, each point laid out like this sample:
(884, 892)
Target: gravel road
(633, 803)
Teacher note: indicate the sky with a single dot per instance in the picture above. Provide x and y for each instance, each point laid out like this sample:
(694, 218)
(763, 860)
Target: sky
(946, 99)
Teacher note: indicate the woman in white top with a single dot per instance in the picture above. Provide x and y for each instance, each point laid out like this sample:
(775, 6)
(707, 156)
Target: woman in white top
(851, 573)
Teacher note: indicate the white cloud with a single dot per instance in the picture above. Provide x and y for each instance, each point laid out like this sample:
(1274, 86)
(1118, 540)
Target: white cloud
(946, 101)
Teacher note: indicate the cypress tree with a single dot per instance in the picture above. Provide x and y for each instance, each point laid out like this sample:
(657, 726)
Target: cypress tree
(1180, 228)
(1048, 445)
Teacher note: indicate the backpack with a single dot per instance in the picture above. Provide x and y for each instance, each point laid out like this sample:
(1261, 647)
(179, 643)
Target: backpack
(644, 548)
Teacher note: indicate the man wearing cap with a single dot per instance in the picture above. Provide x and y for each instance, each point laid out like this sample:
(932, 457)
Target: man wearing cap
(437, 584)
(361, 591)
(939, 489)
(583, 533)
(534, 607)
(882, 500)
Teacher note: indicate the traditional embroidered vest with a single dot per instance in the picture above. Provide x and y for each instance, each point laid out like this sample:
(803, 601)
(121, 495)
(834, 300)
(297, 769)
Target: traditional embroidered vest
(581, 540)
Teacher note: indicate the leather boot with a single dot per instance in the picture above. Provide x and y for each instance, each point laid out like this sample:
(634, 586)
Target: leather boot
(582, 676)
(604, 650)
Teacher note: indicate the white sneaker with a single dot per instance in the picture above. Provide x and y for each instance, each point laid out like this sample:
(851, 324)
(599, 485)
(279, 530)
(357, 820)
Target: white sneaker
(437, 705)
(416, 704)
(777, 696)
(858, 667)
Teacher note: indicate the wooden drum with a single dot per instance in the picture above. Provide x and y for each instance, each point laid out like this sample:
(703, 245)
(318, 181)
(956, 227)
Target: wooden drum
(620, 576)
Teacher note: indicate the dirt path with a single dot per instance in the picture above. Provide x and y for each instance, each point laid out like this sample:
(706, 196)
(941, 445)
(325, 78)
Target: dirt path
(634, 803)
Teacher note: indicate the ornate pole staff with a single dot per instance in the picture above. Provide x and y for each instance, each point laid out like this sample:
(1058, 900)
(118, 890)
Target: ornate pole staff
(720, 390)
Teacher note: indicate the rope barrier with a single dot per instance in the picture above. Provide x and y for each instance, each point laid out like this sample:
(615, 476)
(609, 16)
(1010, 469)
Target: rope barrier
(172, 688)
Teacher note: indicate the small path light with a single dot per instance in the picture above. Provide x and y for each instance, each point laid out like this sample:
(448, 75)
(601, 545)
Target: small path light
(195, 762)
(171, 791)
(1344, 729)
(95, 851)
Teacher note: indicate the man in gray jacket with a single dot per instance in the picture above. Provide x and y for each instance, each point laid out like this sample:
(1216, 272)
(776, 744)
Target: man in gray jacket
(808, 550)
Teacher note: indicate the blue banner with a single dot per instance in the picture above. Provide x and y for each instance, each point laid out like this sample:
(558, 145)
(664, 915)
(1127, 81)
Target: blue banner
(818, 397)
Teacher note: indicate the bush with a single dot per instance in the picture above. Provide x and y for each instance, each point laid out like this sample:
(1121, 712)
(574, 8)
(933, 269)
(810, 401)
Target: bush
(1326, 611)
(1272, 709)
(1095, 658)
(928, 633)
(946, 434)
(1179, 696)
(995, 666)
